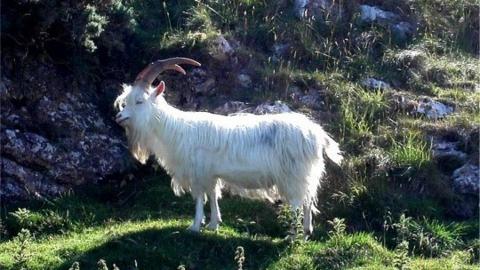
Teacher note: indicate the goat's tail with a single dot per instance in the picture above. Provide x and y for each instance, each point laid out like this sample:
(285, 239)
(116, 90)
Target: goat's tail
(332, 150)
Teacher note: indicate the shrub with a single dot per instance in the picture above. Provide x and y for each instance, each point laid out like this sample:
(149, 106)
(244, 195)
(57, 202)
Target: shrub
(291, 221)
(21, 255)
(46, 221)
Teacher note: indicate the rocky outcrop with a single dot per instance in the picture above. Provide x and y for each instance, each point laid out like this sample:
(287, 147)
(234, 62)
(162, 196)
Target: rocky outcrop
(401, 29)
(56, 136)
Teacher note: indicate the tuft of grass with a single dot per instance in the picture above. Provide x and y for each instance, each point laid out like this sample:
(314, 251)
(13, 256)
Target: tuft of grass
(352, 250)
(410, 151)
(430, 238)
(454, 23)
(363, 112)
(46, 221)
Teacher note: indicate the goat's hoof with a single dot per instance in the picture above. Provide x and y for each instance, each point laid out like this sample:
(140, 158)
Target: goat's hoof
(193, 229)
(212, 227)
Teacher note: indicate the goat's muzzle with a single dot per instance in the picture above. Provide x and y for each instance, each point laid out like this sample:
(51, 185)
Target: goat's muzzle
(120, 119)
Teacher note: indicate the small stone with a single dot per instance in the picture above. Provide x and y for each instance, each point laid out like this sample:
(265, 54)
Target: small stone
(268, 107)
(375, 84)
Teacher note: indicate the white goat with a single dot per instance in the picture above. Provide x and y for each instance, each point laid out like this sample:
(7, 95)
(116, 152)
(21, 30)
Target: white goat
(267, 156)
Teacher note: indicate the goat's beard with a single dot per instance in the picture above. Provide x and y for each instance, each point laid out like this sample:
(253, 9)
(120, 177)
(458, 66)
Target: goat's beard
(137, 144)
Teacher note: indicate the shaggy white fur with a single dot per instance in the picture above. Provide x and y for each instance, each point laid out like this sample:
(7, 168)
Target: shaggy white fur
(279, 156)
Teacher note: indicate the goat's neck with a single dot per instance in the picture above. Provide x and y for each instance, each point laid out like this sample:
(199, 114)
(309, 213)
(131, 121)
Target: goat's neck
(168, 125)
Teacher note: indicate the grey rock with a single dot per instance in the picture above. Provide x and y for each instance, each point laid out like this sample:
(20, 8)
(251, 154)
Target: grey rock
(312, 99)
(295, 92)
(447, 148)
(466, 179)
(221, 49)
(321, 9)
(300, 7)
(402, 31)
(233, 107)
(202, 82)
(24, 182)
(448, 155)
(433, 109)
(269, 107)
(198, 75)
(244, 80)
(238, 107)
(4, 86)
(206, 87)
(28, 148)
(371, 14)
(281, 49)
(58, 139)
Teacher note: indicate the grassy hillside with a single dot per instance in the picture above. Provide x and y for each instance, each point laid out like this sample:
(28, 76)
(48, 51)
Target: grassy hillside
(392, 205)
(148, 231)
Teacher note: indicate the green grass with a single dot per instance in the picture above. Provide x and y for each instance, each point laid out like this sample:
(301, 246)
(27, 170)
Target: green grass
(410, 151)
(150, 230)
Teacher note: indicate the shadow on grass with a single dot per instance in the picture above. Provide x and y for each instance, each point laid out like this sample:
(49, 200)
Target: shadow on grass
(150, 199)
(167, 248)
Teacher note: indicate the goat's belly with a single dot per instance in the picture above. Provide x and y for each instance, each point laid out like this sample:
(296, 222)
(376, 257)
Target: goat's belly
(247, 179)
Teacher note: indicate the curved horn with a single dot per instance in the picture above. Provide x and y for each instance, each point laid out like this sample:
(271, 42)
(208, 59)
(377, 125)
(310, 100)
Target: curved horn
(148, 75)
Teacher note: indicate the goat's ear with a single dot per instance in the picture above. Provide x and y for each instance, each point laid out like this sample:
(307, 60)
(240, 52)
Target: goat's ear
(159, 89)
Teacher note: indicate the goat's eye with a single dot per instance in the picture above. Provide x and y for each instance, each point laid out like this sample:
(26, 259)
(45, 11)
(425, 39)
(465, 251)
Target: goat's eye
(139, 102)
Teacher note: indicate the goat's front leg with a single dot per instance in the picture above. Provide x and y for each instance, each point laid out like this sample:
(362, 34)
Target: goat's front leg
(197, 222)
(215, 217)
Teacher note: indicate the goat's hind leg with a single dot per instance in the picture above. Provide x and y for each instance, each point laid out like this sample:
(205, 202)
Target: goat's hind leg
(215, 217)
(307, 219)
